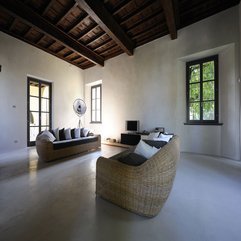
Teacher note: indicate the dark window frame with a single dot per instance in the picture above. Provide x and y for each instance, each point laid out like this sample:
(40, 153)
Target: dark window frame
(40, 82)
(95, 87)
(200, 62)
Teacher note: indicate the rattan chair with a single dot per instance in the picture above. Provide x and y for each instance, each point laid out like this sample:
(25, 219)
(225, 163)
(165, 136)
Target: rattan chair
(141, 189)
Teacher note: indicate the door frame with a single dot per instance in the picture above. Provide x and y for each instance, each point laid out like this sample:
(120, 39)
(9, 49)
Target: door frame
(39, 81)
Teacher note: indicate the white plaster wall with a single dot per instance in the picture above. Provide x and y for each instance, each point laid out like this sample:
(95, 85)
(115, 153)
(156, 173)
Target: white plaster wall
(150, 86)
(19, 60)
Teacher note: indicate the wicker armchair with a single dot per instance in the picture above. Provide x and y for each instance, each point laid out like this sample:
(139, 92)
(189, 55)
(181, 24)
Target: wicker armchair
(141, 189)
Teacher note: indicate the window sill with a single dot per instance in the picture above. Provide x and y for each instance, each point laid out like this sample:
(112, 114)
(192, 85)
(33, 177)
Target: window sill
(95, 122)
(203, 124)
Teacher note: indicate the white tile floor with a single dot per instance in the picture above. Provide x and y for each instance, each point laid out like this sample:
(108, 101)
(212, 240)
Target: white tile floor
(56, 201)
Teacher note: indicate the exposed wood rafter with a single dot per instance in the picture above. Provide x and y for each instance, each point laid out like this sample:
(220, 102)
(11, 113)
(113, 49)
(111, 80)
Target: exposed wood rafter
(105, 20)
(169, 12)
(88, 32)
(19, 10)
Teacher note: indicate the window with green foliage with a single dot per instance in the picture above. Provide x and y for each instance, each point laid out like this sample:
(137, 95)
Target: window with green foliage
(202, 91)
(96, 103)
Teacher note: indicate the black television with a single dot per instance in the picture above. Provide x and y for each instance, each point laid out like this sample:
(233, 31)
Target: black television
(132, 125)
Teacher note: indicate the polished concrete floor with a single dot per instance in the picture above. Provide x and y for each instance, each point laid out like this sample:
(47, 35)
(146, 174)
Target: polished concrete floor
(56, 201)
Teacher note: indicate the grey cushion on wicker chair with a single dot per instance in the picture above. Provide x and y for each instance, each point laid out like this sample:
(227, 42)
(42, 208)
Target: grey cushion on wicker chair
(141, 189)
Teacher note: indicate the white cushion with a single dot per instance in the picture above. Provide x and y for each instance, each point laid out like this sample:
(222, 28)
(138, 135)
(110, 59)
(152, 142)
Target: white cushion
(153, 135)
(145, 150)
(163, 137)
(56, 133)
(47, 135)
(85, 132)
(77, 132)
(67, 133)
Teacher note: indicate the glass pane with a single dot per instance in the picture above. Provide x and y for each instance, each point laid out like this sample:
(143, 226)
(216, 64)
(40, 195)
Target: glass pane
(194, 92)
(208, 110)
(44, 119)
(93, 105)
(93, 93)
(97, 115)
(93, 115)
(98, 92)
(208, 90)
(208, 70)
(44, 91)
(45, 105)
(34, 103)
(33, 133)
(43, 128)
(34, 118)
(194, 111)
(34, 89)
(98, 104)
(194, 71)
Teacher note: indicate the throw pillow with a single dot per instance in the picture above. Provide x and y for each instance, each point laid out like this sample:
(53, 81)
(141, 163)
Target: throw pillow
(153, 135)
(164, 137)
(133, 159)
(67, 133)
(156, 143)
(56, 133)
(77, 132)
(47, 135)
(145, 150)
(72, 133)
(61, 134)
(52, 132)
(84, 132)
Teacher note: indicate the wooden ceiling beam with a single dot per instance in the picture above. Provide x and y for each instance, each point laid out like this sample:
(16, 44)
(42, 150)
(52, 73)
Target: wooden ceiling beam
(145, 20)
(136, 12)
(87, 31)
(121, 6)
(12, 24)
(176, 13)
(98, 12)
(95, 38)
(47, 7)
(20, 10)
(102, 44)
(77, 23)
(169, 12)
(64, 15)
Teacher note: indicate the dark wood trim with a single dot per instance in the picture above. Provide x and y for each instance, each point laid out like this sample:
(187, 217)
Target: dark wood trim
(168, 8)
(105, 20)
(18, 9)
